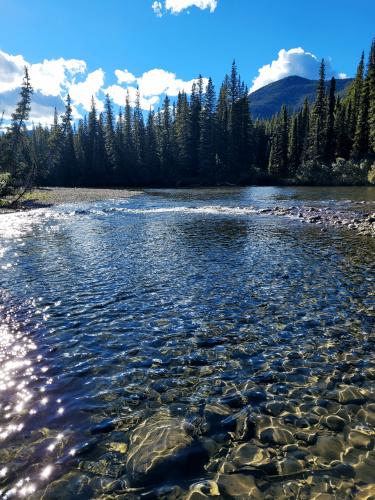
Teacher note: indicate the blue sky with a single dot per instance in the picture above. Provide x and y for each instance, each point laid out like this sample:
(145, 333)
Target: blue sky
(143, 35)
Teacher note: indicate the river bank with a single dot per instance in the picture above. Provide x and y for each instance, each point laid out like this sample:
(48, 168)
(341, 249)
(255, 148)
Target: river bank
(50, 196)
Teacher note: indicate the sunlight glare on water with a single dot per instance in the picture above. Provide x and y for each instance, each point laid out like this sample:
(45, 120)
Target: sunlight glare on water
(159, 345)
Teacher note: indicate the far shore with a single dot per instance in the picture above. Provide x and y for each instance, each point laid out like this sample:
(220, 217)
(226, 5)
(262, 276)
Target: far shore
(50, 196)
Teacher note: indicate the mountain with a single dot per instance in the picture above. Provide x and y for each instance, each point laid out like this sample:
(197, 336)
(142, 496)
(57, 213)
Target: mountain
(291, 91)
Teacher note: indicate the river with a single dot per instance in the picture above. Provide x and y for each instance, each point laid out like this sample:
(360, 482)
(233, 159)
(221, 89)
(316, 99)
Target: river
(182, 344)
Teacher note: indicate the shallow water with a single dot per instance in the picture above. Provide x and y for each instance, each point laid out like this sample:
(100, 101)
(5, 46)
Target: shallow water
(179, 344)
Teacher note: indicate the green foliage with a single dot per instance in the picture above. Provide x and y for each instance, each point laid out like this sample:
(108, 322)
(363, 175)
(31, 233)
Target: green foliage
(371, 175)
(200, 139)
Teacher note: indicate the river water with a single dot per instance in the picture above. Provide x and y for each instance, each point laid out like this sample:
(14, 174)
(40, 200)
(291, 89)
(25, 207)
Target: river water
(180, 344)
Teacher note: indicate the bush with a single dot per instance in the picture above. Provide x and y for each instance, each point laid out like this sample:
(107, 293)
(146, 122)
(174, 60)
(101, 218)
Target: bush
(348, 172)
(5, 184)
(371, 174)
(314, 173)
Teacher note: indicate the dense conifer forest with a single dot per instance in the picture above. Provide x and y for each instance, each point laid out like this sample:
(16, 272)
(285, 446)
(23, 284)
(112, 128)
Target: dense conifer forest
(206, 138)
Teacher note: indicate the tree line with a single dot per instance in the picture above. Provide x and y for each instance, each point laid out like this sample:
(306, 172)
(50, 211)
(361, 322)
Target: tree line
(205, 138)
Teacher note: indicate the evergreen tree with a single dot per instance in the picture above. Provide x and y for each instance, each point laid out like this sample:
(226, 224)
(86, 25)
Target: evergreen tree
(66, 176)
(183, 129)
(330, 135)
(361, 137)
(371, 85)
(317, 134)
(151, 150)
(222, 121)
(138, 140)
(111, 145)
(207, 145)
(19, 161)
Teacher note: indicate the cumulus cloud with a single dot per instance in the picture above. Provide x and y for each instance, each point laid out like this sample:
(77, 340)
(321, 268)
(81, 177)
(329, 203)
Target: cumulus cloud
(83, 92)
(50, 79)
(53, 79)
(289, 63)
(151, 86)
(124, 76)
(177, 6)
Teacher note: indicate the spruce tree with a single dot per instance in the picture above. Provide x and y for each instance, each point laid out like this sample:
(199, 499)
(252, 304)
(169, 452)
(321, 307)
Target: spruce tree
(68, 157)
(207, 145)
(371, 85)
(361, 137)
(111, 145)
(330, 135)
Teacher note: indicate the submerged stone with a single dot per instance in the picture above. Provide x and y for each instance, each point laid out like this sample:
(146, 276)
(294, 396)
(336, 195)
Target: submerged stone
(238, 486)
(334, 423)
(163, 446)
(328, 447)
(276, 435)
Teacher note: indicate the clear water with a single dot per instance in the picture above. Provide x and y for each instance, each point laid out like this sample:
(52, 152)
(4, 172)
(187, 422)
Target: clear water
(121, 317)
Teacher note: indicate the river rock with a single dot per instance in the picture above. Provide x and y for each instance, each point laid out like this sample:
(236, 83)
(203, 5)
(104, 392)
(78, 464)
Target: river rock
(163, 446)
(360, 440)
(238, 486)
(365, 470)
(328, 447)
(349, 395)
(248, 454)
(276, 436)
(333, 422)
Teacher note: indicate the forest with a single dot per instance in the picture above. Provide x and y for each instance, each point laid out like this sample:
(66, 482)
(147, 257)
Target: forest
(202, 139)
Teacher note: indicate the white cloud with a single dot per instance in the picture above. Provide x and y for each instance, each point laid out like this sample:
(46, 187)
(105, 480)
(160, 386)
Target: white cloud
(177, 6)
(124, 76)
(53, 79)
(151, 85)
(11, 71)
(118, 95)
(157, 7)
(50, 77)
(82, 92)
(289, 63)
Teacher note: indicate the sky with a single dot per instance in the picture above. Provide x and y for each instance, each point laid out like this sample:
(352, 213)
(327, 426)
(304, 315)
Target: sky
(91, 47)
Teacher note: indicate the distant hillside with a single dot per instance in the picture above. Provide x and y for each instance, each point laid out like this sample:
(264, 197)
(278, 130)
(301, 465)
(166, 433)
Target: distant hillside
(290, 91)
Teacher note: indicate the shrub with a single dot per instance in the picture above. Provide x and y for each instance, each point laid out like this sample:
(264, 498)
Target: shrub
(371, 174)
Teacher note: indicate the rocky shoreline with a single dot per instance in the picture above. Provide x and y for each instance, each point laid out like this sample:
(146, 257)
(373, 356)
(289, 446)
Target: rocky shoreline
(359, 217)
(50, 196)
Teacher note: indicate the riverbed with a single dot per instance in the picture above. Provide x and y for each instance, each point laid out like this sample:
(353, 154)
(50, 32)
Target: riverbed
(189, 344)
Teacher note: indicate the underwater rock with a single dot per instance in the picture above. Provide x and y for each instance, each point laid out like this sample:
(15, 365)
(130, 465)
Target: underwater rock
(276, 436)
(238, 486)
(163, 445)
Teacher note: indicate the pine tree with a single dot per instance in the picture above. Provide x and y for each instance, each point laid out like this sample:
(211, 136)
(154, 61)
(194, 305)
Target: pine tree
(278, 164)
(294, 146)
(111, 145)
(207, 145)
(183, 129)
(330, 136)
(371, 84)
(138, 140)
(361, 137)
(195, 116)
(18, 158)
(166, 153)
(355, 96)
(222, 120)
(68, 157)
(151, 150)
(316, 146)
